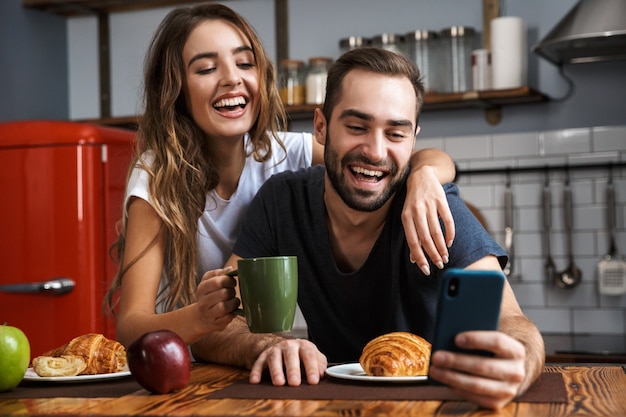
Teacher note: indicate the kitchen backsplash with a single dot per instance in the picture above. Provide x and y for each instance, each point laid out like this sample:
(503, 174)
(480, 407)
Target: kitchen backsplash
(579, 318)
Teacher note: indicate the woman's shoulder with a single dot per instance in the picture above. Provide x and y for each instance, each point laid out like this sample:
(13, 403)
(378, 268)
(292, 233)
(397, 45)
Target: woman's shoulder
(297, 152)
(293, 140)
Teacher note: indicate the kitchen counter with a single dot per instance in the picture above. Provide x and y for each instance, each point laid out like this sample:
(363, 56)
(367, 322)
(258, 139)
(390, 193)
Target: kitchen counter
(223, 391)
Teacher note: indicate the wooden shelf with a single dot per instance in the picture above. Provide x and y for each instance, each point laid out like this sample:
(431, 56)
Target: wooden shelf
(470, 99)
(490, 101)
(484, 99)
(94, 7)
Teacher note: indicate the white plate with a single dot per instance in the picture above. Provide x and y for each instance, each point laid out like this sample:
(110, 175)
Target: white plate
(31, 375)
(354, 372)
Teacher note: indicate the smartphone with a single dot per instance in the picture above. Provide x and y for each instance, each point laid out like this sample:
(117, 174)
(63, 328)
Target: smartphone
(467, 300)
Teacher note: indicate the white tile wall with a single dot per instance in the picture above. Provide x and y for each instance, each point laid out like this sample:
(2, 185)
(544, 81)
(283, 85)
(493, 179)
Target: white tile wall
(578, 318)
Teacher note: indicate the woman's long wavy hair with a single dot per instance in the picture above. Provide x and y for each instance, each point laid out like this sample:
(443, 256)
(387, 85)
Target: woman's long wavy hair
(182, 171)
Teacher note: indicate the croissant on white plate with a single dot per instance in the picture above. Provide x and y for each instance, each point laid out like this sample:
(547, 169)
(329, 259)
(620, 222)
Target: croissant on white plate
(100, 354)
(396, 354)
(53, 366)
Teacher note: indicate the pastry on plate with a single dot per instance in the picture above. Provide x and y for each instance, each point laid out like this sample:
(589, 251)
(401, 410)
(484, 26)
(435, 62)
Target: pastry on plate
(53, 366)
(100, 354)
(396, 354)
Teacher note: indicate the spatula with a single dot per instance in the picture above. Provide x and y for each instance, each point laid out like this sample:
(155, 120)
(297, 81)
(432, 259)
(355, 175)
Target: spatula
(611, 270)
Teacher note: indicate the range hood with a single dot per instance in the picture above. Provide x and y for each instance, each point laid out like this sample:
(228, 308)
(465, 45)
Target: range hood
(594, 30)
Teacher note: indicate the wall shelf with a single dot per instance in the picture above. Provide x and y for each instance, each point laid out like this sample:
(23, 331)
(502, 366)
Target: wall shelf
(490, 101)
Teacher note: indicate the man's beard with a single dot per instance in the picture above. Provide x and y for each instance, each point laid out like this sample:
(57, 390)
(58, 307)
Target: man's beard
(359, 199)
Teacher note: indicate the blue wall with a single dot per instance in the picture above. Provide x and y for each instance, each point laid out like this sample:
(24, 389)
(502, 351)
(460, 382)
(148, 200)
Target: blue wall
(33, 64)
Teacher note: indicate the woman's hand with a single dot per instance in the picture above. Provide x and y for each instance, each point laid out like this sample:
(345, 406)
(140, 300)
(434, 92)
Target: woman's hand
(425, 203)
(216, 299)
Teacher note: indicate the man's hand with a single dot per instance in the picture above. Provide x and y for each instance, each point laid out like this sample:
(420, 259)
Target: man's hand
(425, 203)
(491, 382)
(285, 361)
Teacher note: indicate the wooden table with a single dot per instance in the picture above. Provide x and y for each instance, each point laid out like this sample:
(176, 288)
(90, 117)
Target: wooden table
(592, 390)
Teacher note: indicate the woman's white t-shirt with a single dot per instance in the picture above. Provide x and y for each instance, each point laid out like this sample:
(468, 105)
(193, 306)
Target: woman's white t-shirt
(219, 225)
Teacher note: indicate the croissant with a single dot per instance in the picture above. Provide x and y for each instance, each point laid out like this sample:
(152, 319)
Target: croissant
(66, 365)
(396, 354)
(101, 355)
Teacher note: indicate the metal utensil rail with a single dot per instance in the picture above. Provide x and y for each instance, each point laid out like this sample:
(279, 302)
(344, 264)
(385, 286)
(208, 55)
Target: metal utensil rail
(539, 168)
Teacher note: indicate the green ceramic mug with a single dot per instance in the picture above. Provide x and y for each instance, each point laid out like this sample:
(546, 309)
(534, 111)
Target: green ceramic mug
(269, 292)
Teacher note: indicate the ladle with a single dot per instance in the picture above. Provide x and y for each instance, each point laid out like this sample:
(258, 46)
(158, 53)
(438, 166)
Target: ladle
(571, 275)
(508, 227)
(549, 267)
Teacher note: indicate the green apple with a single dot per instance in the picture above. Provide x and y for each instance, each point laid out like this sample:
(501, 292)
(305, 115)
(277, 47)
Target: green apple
(14, 357)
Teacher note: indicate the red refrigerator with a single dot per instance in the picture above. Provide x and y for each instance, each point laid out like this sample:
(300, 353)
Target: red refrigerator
(61, 190)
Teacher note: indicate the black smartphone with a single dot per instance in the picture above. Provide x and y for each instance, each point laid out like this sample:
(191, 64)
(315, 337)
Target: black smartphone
(467, 300)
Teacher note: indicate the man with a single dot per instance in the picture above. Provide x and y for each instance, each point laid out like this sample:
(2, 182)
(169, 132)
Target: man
(344, 225)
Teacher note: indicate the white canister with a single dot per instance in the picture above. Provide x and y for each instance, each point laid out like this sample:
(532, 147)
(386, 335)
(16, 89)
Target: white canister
(481, 69)
(509, 55)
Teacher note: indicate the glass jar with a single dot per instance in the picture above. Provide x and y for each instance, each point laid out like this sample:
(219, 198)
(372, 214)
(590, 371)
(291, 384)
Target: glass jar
(291, 80)
(458, 44)
(423, 48)
(389, 41)
(316, 79)
(351, 42)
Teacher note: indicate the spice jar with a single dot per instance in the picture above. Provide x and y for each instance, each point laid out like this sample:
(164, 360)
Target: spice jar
(423, 48)
(316, 79)
(458, 44)
(291, 81)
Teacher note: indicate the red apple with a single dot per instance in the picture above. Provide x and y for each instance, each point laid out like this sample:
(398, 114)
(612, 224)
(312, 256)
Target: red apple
(160, 361)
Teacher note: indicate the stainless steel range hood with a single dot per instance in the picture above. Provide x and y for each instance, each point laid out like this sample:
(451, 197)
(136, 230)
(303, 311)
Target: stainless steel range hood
(594, 30)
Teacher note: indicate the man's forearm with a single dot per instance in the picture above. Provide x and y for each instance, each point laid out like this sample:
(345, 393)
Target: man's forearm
(441, 162)
(520, 328)
(234, 345)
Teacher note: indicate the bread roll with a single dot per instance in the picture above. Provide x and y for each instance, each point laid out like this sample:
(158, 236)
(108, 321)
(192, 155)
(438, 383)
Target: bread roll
(101, 355)
(396, 354)
(66, 365)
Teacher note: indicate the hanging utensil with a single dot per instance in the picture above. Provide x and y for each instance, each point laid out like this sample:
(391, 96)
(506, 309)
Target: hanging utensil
(571, 275)
(549, 267)
(508, 227)
(611, 270)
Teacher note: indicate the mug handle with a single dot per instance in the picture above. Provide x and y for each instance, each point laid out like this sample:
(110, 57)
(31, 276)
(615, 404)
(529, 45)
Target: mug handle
(238, 311)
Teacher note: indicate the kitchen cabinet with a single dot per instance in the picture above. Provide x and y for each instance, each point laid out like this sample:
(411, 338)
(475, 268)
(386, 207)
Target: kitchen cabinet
(490, 101)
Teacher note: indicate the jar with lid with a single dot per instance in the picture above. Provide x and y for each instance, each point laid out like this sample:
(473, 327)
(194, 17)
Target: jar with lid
(351, 42)
(389, 41)
(458, 44)
(423, 48)
(316, 79)
(291, 79)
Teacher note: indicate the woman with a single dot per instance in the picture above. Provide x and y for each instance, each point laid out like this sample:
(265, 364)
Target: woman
(208, 139)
